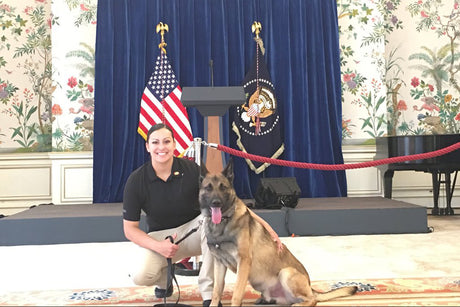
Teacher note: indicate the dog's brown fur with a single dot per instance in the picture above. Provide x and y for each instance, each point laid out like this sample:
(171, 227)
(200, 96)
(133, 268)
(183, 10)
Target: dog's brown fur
(239, 242)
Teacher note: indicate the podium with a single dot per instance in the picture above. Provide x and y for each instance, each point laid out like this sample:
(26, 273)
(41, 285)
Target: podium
(213, 102)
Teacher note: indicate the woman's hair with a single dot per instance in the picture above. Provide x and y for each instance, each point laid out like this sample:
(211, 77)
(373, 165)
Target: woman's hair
(158, 127)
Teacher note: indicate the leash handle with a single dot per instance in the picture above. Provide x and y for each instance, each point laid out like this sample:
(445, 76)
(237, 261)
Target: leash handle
(171, 275)
(170, 239)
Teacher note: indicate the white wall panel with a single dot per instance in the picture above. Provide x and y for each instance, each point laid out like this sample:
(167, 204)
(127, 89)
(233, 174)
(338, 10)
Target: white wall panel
(72, 178)
(78, 183)
(366, 181)
(25, 182)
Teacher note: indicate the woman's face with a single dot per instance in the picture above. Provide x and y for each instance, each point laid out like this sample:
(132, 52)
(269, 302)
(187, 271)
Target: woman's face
(161, 145)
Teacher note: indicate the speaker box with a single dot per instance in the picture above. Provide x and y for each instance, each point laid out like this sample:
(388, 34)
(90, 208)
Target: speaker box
(274, 193)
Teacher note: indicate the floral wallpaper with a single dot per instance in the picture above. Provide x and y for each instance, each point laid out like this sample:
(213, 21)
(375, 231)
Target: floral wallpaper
(73, 100)
(46, 79)
(25, 75)
(400, 67)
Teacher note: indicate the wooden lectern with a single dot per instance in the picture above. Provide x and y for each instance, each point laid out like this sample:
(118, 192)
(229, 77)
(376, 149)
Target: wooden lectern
(213, 102)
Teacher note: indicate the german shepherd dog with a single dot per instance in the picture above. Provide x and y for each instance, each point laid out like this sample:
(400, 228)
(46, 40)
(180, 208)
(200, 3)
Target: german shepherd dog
(240, 243)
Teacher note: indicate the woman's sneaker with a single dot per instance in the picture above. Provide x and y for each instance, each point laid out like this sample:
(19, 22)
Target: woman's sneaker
(162, 293)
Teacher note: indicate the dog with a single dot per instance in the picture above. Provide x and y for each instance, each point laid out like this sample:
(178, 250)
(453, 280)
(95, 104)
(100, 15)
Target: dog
(240, 243)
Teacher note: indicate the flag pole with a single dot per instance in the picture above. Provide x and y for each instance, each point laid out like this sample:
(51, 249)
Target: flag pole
(256, 27)
(162, 27)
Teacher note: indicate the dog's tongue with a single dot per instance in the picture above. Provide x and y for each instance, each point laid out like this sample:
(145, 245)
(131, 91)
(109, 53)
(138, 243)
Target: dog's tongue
(216, 215)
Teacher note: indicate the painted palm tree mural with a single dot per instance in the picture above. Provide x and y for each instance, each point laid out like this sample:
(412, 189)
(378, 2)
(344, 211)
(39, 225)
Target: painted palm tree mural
(80, 95)
(433, 64)
(74, 103)
(421, 82)
(87, 55)
(428, 91)
(437, 90)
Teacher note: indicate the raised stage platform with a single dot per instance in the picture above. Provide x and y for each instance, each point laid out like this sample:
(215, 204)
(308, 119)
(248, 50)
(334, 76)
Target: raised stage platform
(59, 224)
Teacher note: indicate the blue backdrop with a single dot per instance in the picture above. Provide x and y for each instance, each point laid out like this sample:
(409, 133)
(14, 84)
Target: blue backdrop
(302, 54)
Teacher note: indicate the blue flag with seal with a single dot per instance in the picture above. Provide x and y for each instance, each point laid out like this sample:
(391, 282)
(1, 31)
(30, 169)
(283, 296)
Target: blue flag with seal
(256, 122)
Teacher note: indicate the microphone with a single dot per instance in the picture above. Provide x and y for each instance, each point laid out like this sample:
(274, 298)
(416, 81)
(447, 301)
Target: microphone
(211, 67)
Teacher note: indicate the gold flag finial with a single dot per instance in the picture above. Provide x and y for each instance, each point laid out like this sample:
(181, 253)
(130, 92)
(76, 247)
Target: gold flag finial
(162, 27)
(256, 27)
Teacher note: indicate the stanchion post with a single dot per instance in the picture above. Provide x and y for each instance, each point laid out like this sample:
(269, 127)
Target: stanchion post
(197, 148)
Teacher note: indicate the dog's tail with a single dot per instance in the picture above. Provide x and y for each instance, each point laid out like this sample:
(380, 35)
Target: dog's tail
(340, 292)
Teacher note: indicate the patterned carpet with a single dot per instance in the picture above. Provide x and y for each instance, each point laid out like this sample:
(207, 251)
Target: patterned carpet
(382, 292)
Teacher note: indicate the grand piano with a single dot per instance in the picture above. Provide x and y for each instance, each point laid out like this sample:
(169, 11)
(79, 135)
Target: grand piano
(445, 165)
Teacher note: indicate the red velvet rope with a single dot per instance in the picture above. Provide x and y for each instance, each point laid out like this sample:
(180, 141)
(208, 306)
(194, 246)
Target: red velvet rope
(338, 167)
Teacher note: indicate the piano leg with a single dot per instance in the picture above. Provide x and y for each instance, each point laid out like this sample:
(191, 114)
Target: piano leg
(449, 199)
(436, 182)
(449, 192)
(388, 183)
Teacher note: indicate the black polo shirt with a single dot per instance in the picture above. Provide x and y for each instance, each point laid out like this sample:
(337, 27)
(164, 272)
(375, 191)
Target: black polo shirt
(166, 204)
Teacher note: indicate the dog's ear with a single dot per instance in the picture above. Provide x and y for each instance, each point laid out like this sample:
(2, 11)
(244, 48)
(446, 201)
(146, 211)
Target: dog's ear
(203, 171)
(228, 171)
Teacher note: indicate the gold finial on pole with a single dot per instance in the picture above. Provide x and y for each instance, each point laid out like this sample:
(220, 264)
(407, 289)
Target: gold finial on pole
(256, 27)
(162, 27)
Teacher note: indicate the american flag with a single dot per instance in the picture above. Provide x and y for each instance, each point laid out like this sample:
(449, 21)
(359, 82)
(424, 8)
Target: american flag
(161, 104)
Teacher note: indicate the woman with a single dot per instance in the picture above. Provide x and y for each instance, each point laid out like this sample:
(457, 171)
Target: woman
(166, 189)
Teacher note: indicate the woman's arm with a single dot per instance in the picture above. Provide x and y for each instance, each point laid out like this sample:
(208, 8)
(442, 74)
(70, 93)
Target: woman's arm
(270, 230)
(134, 234)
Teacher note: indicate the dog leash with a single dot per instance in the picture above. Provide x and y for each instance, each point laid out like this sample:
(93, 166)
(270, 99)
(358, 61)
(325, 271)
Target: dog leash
(186, 235)
(171, 275)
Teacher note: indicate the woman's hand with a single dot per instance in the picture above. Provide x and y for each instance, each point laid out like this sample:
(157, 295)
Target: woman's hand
(277, 240)
(133, 233)
(270, 230)
(166, 248)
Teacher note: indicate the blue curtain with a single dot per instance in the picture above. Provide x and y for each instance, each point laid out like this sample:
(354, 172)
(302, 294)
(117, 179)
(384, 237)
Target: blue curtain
(302, 54)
